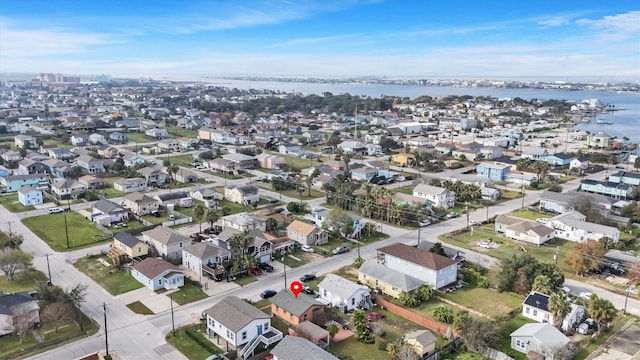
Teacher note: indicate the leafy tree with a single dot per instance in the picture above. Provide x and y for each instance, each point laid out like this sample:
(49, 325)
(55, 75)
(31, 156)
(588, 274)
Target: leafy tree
(607, 242)
(309, 180)
(542, 284)
(118, 166)
(76, 172)
(585, 256)
(408, 299)
(522, 285)
(601, 310)
(212, 215)
(14, 260)
(333, 330)
(424, 293)
(198, 212)
(271, 224)
(359, 320)
(402, 352)
(438, 249)
(523, 163)
(555, 188)
(339, 223)
(636, 163)
(508, 272)
(10, 240)
(589, 208)
(206, 155)
(479, 333)
(57, 313)
(443, 313)
(632, 211)
(559, 306)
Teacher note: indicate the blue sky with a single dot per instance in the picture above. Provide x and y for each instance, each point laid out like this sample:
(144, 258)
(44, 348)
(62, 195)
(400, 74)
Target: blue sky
(590, 40)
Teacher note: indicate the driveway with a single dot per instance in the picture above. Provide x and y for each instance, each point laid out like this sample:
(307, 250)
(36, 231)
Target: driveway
(155, 302)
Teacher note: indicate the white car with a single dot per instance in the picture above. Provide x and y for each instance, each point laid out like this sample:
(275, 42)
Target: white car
(585, 295)
(484, 245)
(424, 223)
(473, 222)
(307, 248)
(55, 210)
(541, 220)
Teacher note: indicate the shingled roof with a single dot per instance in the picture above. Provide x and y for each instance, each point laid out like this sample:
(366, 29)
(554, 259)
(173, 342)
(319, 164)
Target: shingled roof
(420, 257)
(234, 313)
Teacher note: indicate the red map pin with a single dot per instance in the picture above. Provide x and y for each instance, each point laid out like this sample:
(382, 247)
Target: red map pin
(296, 288)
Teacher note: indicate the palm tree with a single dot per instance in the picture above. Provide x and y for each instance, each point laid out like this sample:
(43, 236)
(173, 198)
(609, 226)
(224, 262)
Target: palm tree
(212, 215)
(198, 213)
(172, 169)
(601, 310)
(310, 178)
(241, 241)
(522, 163)
(542, 167)
(559, 306)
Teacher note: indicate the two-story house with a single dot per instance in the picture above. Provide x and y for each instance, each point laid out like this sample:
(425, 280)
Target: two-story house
(242, 194)
(607, 188)
(494, 172)
(90, 164)
(132, 159)
(344, 293)
(29, 196)
(140, 204)
(307, 234)
(436, 270)
(241, 161)
(385, 280)
(574, 227)
(439, 197)
(129, 245)
(166, 241)
(243, 222)
(25, 141)
(68, 189)
(153, 175)
(110, 211)
(157, 133)
(128, 185)
(14, 182)
(203, 257)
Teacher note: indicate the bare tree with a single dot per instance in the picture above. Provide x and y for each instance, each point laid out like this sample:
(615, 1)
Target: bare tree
(14, 260)
(57, 313)
(23, 324)
(405, 352)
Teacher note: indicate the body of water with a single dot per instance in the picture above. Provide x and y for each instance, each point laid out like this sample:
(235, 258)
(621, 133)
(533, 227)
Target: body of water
(625, 122)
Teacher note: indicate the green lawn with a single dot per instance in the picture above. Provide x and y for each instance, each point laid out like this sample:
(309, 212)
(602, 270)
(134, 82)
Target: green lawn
(246, 280)
(109, 191)
(51, 228)
(12, 348)
(155, 220)
(22, 281)
(182, 159)
(178, 132)
(10, 202)
(512, 325)
(298, 163)
(222, 175)
(188, 347)
(293, 193)
(408, 190)
(140, 308)
(115, 282)
(486, 301)
(136, 137)
(190, 292)
(530, 215)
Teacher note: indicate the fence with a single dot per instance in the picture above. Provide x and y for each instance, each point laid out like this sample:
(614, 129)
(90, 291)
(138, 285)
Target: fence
(175, 222)
(409, 315)
(197, 338)
(495, 354)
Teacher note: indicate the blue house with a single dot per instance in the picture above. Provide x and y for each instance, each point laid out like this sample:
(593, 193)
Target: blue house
(607, 188)
(4, 171)
(119, 137)
(157, 273)
(29, 196)
(622, 177)
(559, 159)
(363, 173)
(494, 172)
(15, 182)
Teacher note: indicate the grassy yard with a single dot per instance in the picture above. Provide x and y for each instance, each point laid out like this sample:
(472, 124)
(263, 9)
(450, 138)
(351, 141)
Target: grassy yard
(136, 137)
(109, 191)
(512, 325)
(298, 163)
(10, 202)
(293, 193)
(588, 346)
(139, 308)
(530, 215)
(182, 159)
(246, 280)
(222, 175)
(188, 347)
(115, 282)
(12, 348)
(178, 132)
(51, 228)
(190, 292)
(155, 220)
(486, 301)
(22, 281)
(506, 195)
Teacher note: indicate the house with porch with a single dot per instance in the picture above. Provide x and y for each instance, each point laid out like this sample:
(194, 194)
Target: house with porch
(624, 177)
(140, 204)
(242, 194)
(153, 175)
(130, 245)
(14, 182)
(14, 306)
(439, 197)
(573, 226)
(343, 293)
(203, 257)
(385, 280)
(68, 189)
(166, 241)
(109, 210)
(291, 347)
(207, 195)
(240, 160)
(25, 141)
(90, 164)
(557, 159)
(607, 188)
(494, 172)
(176, 198)
(91, 182)
(157, 273)
(132, 159)
(243, 222)
(221, 165)
(239, 323)
(536, 307)
(128, 185)
(307, 234)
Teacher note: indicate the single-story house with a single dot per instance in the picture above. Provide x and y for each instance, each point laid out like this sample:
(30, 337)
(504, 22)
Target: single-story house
(386, 281)
(17, 305)
(536, 307)
(176, 198)
(344, 293)
(243, 221)
(291, 348)
(543, 339)
(530, 232)
(295, 309)
(157, 273)
(423, 342)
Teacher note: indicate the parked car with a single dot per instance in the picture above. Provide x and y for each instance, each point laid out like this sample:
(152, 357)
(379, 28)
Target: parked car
(452, 215)
(215, 357)
(585, 295)
(55, 210)
(308, 289)
(307, 277)
(172, 217)
(374, 316)
(473, 222)
(268, 293)
(424, 223)
(156, 214)
(484, 245)
(340, 250)
(266, 267)
(255, 271)
(307, 248)
(541, 220)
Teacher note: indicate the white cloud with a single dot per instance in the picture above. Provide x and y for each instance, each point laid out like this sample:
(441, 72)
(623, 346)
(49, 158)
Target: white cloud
(555, 21)
(615, 27)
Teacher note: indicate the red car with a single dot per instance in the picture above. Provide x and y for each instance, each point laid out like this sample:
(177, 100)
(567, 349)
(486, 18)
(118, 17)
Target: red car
(374, 316)
(255, 271)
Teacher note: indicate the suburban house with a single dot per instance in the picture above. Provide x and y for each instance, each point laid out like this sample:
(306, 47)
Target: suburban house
(495, 172)
(543, 339)
(176, 198)
(363, 173)
(130, 245)
(353, 147)
(25, 141)
(534, 153)
(437, 196)
(403, 159)
(79, 139)
(186, 176)
(238, 323)
(90, 164)
(129, 185)
(30, 166)
(307, 234)
(561, 202)
(132, 159)
(600, 140)
(291, 347)
(91, 182)
(168, 145)
(166, 241)
(623, 177)
(344, 293)
(572, 226)
(313, 137)
(433, 269)
(268, 161)
(153, 175)
(607, 188)
(385, 280)
(295, 309)
(118, 137)
(574, 317)
(204, 257)
(157, 273)
(423, 342)
(319, 215)
(207, 195)
(157, 133)
(242, 194)
(243, 221)
(221, 165)
(29, 196)
(96, 138)
(241, 161)
(557, 159)
(290, 149)
(140, 204)
(68, 189)
(107, 212)
(535, 307)
(579, 163)
(17, 305)
(523, 230)
(14, 182)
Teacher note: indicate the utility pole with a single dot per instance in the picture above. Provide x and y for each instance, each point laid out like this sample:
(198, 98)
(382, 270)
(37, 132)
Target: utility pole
(66, 228)
(626, 293)
(173, 323)
(48, 269)
(419, 231)
(285, 271)
(106, 334)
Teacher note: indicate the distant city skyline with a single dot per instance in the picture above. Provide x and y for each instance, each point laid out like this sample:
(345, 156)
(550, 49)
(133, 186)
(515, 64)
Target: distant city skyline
(563, 40)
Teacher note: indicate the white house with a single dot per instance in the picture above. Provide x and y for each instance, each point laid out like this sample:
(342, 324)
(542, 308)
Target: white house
(543, 339)
(579, 163)
(242, 194)
(346, 294)
(561, 202)
(530, 232)
(574, 317)
(166, 241)
(96, 138)
(243, 221)
(132, 159)
(433, 269)
(536, 307)
(240, 323)
(129, 185)
(157, 273)
(572, 226)
(203, 254)
(29, 196)
(439, 197)
(103, 209)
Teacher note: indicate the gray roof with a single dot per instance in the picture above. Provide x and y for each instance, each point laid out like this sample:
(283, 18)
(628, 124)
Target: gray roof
(545, 333)
(424, 337)
(172, 196)
(296, 306)
(139, 197)
(127, 239)
(11, 304)
(107, 207)
(565, 198)
(622, 256)
(392, 277)
(234, 313)
(296, 348)
(243, 219)
(590, 227)
(203, 250)
(340, 286)
(166, 235)
(27, 189)
(428, 189)
(244, 189)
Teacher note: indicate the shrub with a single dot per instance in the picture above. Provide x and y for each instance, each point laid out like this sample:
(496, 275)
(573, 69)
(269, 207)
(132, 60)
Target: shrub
(443, 313)
(381, 344)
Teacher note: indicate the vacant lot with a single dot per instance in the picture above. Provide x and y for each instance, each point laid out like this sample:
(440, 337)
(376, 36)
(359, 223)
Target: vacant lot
(51, 228)
(114, 281)
(22, 281)
(10, 202)
(530, 215)
(190, 292)
(188, 346)
(486, 301)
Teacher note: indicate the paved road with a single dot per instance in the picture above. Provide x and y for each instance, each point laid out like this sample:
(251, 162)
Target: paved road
(134, 336)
